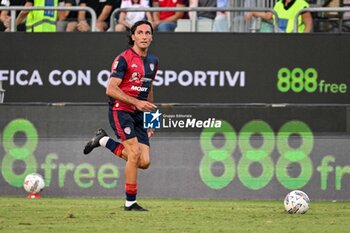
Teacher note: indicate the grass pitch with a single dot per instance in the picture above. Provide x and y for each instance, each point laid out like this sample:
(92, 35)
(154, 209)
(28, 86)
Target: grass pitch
(167, 215)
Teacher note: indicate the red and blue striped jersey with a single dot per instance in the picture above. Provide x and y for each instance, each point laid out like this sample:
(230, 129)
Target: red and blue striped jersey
(137, 74)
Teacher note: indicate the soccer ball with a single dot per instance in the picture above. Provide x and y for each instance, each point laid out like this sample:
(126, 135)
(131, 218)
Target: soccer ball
(34, 183)
(296, 202)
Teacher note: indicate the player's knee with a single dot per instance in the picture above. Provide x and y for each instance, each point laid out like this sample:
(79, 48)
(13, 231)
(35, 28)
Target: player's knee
(134, 155)
(145, 164)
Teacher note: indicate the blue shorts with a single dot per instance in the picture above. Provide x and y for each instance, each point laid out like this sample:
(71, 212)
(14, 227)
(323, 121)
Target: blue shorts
(128, 125)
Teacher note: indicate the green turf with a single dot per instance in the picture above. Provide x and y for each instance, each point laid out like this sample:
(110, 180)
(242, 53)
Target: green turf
(70, 215)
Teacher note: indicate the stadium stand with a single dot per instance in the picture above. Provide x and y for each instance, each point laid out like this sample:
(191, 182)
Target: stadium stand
(332, 21)
(324, 21)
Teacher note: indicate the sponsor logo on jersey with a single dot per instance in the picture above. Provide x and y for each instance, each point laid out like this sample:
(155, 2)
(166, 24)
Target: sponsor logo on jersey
(136, 88)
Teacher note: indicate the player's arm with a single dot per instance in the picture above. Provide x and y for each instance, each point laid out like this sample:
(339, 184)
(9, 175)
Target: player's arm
(113, 90)
(150, 131)
(150, 94)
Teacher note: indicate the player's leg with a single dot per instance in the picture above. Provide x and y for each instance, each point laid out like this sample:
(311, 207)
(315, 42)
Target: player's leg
(133, 150)
(120, 121)
(144, 161)
(124, 125)
(145, 158)
(102, 139)
(143, 140)
(137, 150)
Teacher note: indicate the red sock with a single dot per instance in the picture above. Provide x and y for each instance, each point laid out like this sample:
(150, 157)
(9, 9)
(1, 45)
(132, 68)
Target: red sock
(119, 150)
(130, 191)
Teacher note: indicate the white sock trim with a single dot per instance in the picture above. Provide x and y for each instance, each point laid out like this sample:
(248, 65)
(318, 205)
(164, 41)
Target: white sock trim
(129, 203)
(103, 141)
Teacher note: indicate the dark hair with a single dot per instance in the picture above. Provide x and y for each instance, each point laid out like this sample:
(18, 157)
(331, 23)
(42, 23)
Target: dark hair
(133, 29)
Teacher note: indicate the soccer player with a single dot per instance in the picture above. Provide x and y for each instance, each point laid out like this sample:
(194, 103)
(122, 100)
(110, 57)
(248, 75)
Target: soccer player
(130, 92)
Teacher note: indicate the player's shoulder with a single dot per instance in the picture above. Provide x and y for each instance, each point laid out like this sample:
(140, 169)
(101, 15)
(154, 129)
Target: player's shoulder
(122, 56)
(152, 57)
(119, 59)
(126, 52)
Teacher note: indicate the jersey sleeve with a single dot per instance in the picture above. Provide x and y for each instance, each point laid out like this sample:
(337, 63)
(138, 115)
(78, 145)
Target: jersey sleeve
(119, 67)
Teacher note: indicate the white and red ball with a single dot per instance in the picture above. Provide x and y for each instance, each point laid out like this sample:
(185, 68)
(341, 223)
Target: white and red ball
(296, 202)
(34, 183)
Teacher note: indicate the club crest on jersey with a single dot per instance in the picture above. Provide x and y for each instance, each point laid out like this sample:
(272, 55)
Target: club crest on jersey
(127, 130)
(136, 77)
(151, 66)
(133, 66)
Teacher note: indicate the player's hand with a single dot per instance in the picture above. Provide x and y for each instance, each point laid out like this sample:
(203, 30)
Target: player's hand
(145, 106)
(150, 132)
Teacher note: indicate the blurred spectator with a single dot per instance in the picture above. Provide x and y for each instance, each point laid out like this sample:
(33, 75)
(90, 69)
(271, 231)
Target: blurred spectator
(258, 24)
(39, 20)
(67, 17)
(286, 11)
(165, 21)
(203, 14)
(103, 9)
(346, 16)
(127, 19)
(220, 22)
(5, 16)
